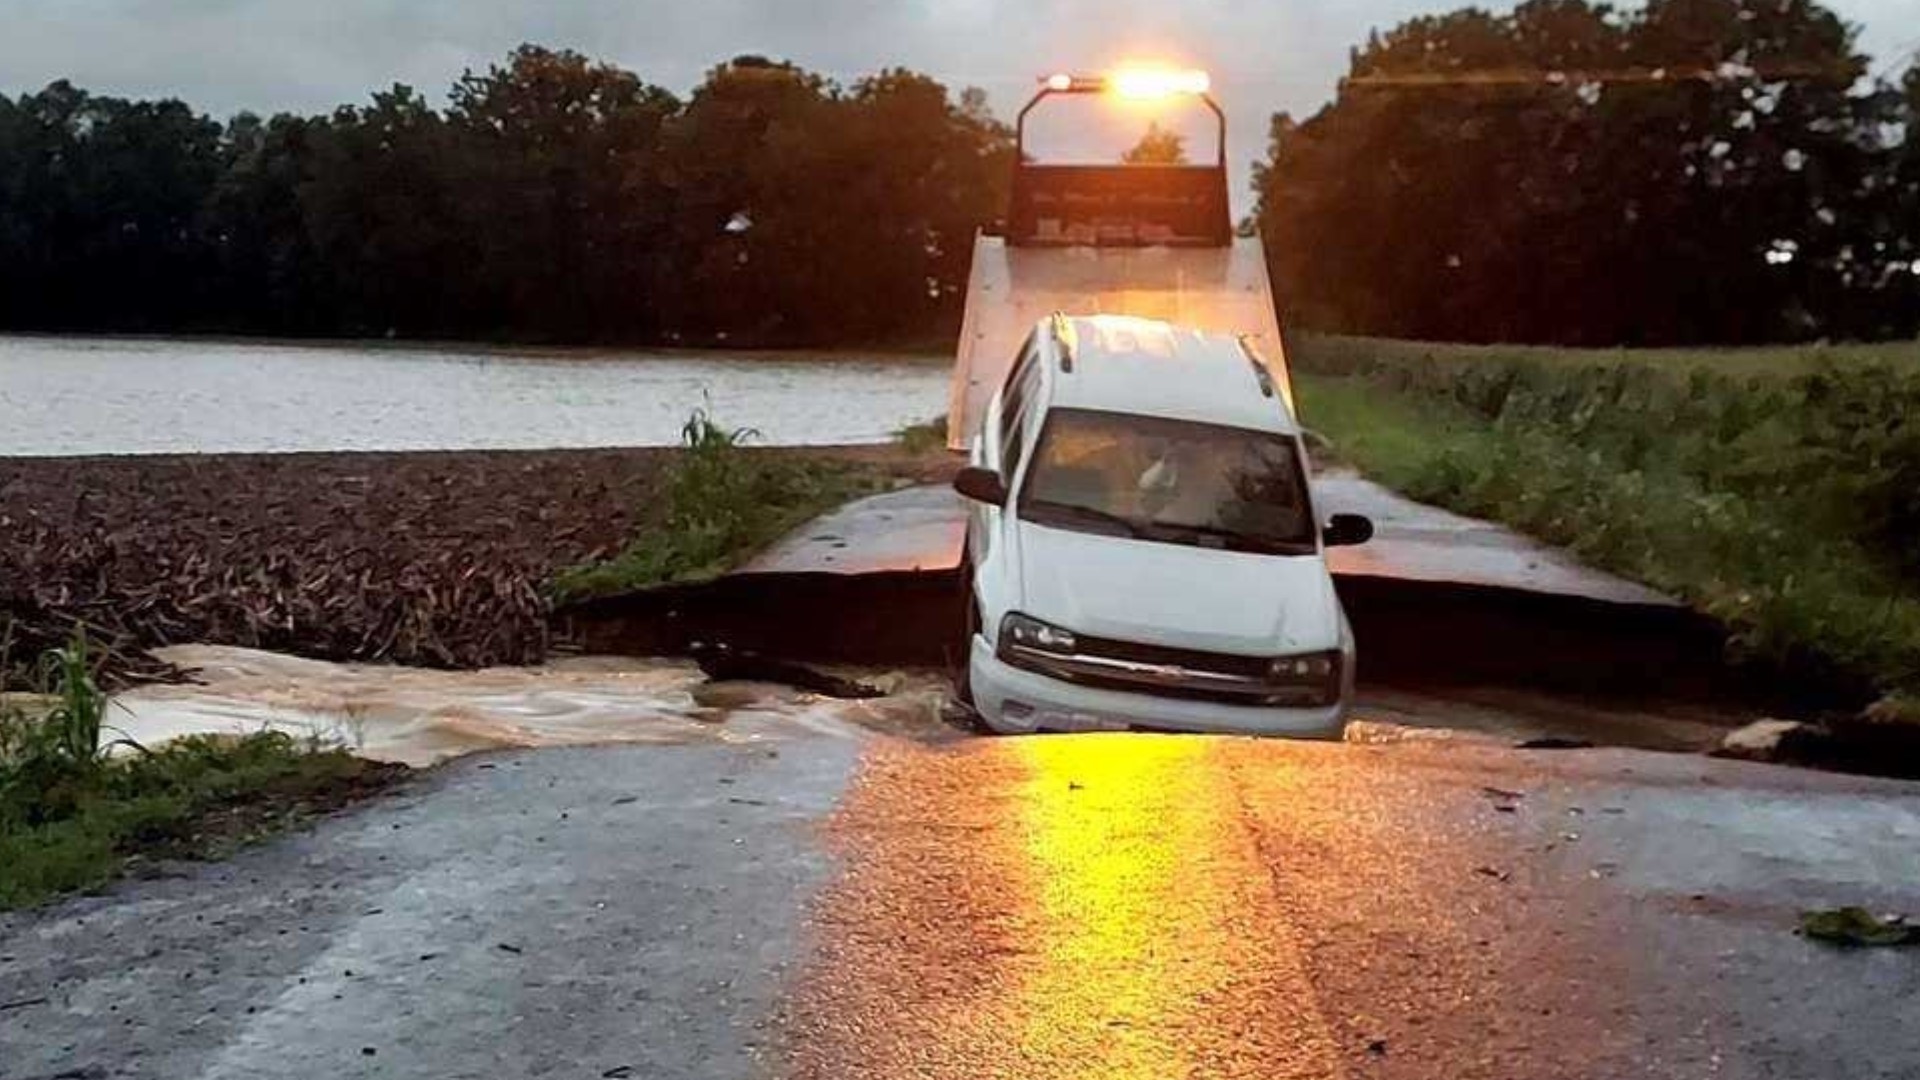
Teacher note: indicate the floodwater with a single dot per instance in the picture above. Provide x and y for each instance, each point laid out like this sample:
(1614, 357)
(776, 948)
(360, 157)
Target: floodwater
(418, 717)
(62, 396)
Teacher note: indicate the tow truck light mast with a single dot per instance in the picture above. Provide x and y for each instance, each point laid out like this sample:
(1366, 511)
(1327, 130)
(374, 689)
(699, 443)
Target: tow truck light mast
(1152, 84)
(1141, 85)
(1134, 83)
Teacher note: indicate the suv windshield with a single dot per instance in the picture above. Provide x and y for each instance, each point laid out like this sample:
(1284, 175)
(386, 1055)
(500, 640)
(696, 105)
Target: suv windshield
(1169, 481)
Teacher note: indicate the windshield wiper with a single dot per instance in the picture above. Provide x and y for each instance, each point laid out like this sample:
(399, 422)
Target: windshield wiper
(1265, 545)
(1085, 514)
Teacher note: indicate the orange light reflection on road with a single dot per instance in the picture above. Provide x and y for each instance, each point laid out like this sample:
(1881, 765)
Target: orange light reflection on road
(1108, 824)
(1090, 907)
(1140, 862)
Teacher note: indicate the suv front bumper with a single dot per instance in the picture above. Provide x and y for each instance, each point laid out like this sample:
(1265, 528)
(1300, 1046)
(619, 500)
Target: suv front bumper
(1014, 701)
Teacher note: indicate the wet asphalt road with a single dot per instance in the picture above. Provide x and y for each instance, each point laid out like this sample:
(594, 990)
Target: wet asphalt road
(1110, 907)
(565, 912)
(1136, 907)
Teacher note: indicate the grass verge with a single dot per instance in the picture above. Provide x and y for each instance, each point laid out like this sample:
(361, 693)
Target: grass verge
(926, 437)
(1782, 501)
(73, 818)
(1343, 355)
(719, 505)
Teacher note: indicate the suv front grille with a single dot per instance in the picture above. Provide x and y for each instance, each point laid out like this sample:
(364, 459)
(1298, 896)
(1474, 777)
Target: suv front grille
(1244, 667)
(1187, 674)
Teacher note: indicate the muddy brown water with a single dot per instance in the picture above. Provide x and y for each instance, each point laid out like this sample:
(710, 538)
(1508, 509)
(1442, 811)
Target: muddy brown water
(419, 717)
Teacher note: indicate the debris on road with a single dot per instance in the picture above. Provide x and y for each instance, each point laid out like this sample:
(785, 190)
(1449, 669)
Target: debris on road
(724, 664)
(1771, 741)
(1856, 927)
(1554, 742)
(1504, 801)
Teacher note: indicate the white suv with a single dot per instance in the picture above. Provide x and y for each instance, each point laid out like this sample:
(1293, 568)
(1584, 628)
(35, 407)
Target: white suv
(1142, 549)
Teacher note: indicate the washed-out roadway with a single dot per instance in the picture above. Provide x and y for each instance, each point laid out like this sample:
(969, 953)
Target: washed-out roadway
(854, 904)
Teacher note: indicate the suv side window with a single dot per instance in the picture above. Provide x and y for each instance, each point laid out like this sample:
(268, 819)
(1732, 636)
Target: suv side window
(1020, 387)
(1015, 394)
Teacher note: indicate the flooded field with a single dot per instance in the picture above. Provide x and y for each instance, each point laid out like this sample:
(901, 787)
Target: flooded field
(62, 396)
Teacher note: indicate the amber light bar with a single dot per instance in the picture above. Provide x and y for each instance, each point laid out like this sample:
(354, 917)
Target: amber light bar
(1135, 84)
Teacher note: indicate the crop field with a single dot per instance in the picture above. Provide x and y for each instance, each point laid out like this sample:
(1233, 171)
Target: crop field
(1777, 489)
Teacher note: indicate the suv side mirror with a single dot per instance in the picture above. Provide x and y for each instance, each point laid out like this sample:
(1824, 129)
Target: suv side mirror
(981, 485)
(1347, 530)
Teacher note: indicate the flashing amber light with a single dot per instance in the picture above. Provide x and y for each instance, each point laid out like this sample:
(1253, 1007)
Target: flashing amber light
(1133, 84)
(1148, 84)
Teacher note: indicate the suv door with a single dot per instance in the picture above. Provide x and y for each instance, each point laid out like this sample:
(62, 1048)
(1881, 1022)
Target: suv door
(1001, 445)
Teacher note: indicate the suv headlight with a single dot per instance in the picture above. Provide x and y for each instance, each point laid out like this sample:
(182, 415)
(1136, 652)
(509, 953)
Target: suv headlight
(1309, 680)
(1309, 669)
(1029, 633)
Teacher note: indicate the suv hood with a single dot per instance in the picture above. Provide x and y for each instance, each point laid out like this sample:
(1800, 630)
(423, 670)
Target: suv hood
(1177, 596)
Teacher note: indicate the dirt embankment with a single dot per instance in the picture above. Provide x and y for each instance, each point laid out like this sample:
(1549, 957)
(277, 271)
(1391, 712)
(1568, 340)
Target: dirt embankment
(438, 559)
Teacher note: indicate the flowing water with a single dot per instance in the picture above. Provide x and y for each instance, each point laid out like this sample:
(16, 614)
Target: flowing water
(63, 395)
(417, 717)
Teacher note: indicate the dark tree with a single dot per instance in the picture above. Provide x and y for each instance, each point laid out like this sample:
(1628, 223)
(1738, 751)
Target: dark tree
(1699, 171)
(1157, 147)
(266, 270)
(806, 213)
(383, 206)
(560, 188)
(100, 217)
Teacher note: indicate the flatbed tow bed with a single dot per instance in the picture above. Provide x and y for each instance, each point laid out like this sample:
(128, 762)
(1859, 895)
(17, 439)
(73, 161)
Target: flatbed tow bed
(1154, 241)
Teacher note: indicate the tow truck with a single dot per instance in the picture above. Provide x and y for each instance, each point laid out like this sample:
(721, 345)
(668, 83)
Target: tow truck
(1150, 240)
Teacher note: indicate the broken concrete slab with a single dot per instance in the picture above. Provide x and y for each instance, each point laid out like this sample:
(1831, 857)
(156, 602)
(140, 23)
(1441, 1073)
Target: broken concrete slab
(1416, 542)
(1770, 740)
(924, 528)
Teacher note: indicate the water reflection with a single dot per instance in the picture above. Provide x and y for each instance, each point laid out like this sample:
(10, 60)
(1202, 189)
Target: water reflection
(1110, 831)
(142, 397)
(1093, 907)
(1148, 879)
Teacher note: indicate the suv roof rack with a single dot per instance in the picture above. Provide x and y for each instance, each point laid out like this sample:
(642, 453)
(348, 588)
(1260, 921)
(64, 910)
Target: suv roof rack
(1067, 338)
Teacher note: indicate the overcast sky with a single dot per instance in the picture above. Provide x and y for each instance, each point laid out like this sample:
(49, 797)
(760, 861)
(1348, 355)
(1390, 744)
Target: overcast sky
(309, 55)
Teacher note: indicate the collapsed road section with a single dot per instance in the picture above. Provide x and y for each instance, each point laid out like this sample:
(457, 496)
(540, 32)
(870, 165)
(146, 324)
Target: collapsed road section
(1435, 599)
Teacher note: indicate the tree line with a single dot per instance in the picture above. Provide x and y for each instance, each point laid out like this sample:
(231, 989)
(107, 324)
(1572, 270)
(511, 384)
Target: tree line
(1690, 171)
(553, 198)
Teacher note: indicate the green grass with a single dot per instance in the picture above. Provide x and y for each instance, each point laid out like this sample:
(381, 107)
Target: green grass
(71, 816)
(1342, 355)
(923, 438)
(1783, 499)
(1899, 709)
(720, 505)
